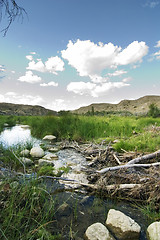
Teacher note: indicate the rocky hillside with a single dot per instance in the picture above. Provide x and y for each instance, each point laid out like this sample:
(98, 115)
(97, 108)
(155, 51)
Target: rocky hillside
(24, 110)
(139, 106)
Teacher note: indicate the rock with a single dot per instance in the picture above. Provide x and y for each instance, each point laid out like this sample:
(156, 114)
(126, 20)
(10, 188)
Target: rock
(24, 153)
(44, 162)
(50, 156)
(153, 231)
(64, 209)
(122, 226)
(97, 231)
(53, 149)
(49, 137)
(37, 152)
(27, 161)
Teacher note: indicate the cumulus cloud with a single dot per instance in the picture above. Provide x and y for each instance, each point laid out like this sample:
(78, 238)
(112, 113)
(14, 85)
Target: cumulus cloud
(90, 59)
(30, 78)
(92, 89)
(52, 65)
(132, 54)
(53, 84)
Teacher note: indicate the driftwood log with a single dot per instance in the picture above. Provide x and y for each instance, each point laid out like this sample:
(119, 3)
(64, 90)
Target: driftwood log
(144, 158)
(104, 170)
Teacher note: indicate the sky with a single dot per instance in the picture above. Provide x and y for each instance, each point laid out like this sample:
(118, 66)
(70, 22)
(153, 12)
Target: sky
(66, 54)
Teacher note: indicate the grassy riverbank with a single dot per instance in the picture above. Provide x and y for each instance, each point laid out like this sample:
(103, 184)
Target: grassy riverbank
(132, 133)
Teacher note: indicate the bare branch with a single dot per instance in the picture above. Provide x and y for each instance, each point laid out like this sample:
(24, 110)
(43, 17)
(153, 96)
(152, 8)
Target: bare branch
(11, 10)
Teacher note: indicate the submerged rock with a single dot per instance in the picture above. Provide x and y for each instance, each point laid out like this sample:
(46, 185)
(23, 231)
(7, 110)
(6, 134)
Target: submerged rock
(153, 231)
(97, 231)
(44, 162)
(122, 226)
(37, 152)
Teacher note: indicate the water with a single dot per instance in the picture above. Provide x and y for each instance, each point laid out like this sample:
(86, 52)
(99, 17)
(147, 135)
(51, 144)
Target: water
(81, 210)
(19, 134)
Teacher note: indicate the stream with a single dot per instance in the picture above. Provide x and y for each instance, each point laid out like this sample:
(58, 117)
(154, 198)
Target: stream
(80, 209)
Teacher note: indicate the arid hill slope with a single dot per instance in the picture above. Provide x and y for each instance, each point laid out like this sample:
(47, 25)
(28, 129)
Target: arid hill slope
(23, 110)
(139, 106)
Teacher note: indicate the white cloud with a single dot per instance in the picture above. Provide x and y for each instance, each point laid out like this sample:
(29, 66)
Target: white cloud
(58, 105)
(151, 4)
(2, 68)
(54, 84)
(127, 79)
(132, 54)
(29, 57)
(37, 66)
(117, 73)
(12, 97)
(33, 53)
(81, 87)
(90, 59)
(11, 94)
(52, 65)
(30, 78)
(158, 44)
(157, 55)
(95, 90)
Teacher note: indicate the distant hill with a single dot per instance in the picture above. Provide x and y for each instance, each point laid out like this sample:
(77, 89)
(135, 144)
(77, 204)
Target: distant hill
(139, 106)
(24, 110)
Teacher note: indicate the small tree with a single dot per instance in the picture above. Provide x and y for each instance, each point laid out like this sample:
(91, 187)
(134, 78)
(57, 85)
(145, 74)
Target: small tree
(154, 111)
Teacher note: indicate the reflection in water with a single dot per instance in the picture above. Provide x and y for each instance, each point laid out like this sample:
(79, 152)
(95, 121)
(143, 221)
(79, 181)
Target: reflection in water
(15, 135)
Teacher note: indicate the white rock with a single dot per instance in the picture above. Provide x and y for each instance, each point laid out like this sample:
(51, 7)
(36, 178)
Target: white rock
(37, 152)
(53, 149)
(27, 161)
(153, 231)
(43, 162)
(24, 153)
(50, 156)
(122, 226)
(97, 231)
(49, 137)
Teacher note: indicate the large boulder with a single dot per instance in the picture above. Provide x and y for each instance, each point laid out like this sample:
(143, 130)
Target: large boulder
(122, 226)
(153, 231)
(97, 231)
(37, 152)
(49, 137)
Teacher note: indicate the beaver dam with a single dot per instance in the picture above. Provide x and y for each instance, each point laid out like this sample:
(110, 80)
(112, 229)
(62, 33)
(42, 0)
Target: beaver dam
(58, 190)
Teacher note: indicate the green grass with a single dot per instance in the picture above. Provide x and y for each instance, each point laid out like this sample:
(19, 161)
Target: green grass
(28, 210)
(90, 128)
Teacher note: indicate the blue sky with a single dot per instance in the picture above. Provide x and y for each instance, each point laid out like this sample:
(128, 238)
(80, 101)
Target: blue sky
(71, 53)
